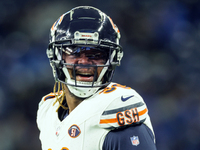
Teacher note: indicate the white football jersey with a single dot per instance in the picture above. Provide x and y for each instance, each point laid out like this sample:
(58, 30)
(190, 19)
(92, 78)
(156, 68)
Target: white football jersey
(86, 127)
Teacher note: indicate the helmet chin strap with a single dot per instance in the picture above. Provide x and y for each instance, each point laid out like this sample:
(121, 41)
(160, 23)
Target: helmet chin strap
(82, 92)
(83, 89)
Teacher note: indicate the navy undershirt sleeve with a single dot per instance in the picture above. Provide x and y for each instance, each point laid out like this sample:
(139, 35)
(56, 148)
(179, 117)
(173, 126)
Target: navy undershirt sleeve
(131, 138)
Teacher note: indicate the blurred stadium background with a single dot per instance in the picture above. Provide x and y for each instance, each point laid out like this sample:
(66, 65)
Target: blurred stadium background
(161, 41)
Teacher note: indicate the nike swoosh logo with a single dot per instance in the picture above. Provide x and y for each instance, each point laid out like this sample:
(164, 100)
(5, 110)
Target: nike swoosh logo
(126, 98)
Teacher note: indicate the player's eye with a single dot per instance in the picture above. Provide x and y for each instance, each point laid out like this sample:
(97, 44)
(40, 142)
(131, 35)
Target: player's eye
(95, 56)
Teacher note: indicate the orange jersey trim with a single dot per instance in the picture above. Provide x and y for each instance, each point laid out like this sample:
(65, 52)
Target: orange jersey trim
(51, 95)
(114, 120)
(142, 112)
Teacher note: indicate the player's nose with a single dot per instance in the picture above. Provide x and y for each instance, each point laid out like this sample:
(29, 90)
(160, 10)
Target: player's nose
(84, 60)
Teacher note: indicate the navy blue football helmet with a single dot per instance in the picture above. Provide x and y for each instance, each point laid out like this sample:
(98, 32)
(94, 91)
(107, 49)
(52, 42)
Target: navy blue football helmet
(84, 26)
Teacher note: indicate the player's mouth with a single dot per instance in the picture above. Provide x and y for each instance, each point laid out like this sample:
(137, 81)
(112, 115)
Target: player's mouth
(85, 76)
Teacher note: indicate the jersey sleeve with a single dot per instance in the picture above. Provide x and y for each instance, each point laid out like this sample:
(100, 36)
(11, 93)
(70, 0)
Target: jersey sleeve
(128, 108)
(138, 137)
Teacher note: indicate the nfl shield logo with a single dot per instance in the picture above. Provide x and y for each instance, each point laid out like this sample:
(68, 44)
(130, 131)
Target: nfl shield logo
(135, 140)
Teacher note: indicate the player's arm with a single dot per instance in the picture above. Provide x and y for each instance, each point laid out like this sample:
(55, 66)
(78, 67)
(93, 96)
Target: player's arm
(138, 137)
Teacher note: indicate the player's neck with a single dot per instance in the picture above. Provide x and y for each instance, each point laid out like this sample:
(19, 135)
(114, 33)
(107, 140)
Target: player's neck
(72, 100)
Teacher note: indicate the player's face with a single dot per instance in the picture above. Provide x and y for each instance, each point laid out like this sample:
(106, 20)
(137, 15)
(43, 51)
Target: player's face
(83, 57)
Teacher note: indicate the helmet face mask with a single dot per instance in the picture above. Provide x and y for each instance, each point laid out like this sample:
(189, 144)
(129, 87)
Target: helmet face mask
(84, 32)
(85, 63)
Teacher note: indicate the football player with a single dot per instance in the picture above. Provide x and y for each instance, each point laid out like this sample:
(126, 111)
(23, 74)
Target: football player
(86, 111)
